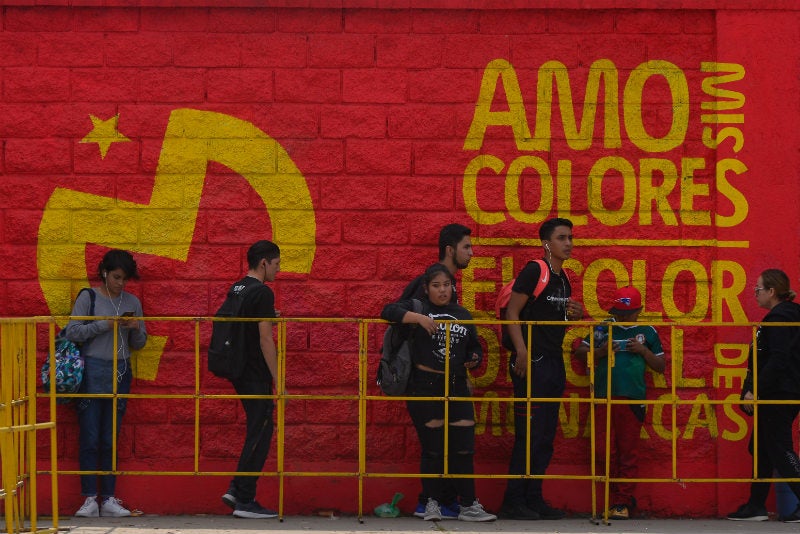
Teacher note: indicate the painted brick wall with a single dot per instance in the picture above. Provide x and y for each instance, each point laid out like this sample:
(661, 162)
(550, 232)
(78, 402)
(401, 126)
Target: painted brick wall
(349, 134)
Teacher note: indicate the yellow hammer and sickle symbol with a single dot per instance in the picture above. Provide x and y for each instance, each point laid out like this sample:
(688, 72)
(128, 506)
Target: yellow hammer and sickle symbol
(165, 226)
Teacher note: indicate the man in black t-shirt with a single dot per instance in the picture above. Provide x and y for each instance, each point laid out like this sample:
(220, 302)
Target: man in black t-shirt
(523, 498)
(263, 260)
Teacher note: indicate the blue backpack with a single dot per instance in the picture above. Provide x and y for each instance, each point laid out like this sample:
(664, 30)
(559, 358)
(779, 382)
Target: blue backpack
(69, 362)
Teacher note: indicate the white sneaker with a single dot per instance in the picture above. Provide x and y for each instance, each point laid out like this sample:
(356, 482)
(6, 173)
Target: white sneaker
(112, 507)
(475, 513)
(89, 508)
(432, 511)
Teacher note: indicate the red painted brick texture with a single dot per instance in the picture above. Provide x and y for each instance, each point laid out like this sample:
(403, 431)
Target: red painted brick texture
(372, 103)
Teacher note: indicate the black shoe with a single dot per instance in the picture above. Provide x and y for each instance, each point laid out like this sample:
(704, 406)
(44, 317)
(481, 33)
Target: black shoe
(794, 517)
(253, 510)
(519, 512)
(749, 512)
(546, 511)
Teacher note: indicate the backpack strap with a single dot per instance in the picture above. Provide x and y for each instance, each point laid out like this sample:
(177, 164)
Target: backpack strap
(544, 278)
(92, 298)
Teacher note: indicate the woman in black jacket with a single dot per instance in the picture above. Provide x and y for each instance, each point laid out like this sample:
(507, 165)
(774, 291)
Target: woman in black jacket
(429, 353)
(777, 360)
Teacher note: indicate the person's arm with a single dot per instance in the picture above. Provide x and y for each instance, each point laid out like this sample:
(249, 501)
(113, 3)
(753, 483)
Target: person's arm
(653, 361)
(79, 331)
(137, 332)
(474, 355)
(780, 341)
(402, 312)
(581, 353)
(513, 310)
(268, 348)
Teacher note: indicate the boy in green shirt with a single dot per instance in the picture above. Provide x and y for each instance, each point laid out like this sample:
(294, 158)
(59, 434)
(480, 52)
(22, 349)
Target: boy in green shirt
(635, 348)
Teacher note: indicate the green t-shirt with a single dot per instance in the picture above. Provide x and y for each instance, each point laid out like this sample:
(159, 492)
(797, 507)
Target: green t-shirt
(627, 376)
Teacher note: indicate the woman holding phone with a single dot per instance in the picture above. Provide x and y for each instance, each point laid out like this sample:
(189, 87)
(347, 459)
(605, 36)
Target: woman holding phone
(95, 415)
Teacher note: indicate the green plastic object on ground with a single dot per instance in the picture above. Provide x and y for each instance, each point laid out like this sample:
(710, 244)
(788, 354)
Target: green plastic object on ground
(389, 509)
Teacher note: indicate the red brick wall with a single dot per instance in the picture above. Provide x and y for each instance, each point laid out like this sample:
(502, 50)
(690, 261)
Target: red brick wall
(350, 135)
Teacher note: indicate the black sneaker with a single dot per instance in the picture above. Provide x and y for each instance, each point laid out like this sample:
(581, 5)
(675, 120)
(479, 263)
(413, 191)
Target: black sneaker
(546, 511)
(519, 512)
(749, 512)
(253, 510)
(794, 517)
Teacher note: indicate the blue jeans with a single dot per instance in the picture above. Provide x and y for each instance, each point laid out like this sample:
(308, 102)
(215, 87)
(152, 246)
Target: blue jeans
(95, 418)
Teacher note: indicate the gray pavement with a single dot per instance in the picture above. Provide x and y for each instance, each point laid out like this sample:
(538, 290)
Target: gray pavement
(206, 524)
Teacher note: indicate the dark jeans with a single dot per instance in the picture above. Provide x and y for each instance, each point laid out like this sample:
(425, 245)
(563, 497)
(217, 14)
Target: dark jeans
(95, 419)
(257, 439)
(461, 439)
(548, 379)
(775, 449)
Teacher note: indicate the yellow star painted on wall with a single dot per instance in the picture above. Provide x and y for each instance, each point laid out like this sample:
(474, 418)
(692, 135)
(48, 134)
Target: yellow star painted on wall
(104, 133)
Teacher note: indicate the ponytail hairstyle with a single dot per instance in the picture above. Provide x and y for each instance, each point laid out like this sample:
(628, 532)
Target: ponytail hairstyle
(779, 281)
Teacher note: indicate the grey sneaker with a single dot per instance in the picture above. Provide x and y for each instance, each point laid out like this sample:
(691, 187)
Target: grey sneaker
(89, 508)
(230, 500)
(112, 507)
(432, 511)
(475, 513)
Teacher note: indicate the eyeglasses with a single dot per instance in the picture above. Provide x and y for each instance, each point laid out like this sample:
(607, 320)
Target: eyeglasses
(759, 289)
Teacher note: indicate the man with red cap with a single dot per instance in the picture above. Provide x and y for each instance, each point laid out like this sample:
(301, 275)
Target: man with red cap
(636, 347)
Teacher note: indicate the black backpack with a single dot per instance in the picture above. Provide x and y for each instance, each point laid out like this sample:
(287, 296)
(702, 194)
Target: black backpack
(394, 368)
(227, 353)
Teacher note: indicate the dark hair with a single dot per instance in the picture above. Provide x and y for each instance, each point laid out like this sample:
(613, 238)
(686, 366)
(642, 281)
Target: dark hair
(118, 259)
(779, 281)
(261, 250)
(432, 271)
(450, 236)
(547, 227)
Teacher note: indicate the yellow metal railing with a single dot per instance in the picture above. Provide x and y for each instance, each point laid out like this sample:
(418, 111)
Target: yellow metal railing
(18, 424)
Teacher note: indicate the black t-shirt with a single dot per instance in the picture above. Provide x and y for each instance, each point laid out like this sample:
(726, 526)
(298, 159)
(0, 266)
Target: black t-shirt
(430, 350)
(551, 305)
(258, 302)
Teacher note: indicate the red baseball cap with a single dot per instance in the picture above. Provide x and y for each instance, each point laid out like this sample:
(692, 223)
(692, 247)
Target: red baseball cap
(626, 300)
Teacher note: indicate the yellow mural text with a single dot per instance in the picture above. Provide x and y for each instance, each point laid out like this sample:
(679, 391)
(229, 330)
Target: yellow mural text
(165, 226)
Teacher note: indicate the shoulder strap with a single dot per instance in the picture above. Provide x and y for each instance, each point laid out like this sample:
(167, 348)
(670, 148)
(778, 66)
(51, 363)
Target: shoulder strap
(417, 305)
(92, 298)
(544, 278)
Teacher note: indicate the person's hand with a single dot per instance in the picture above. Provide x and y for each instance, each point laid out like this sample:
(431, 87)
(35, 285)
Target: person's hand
(574, 310)
(748, 408)
(426, 322)
(520, 364)
(473, 362)
(636, 347)
(130, 324)
(601, 351)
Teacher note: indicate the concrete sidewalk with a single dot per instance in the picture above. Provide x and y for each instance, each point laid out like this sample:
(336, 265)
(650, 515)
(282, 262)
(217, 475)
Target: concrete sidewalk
(206, 524)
